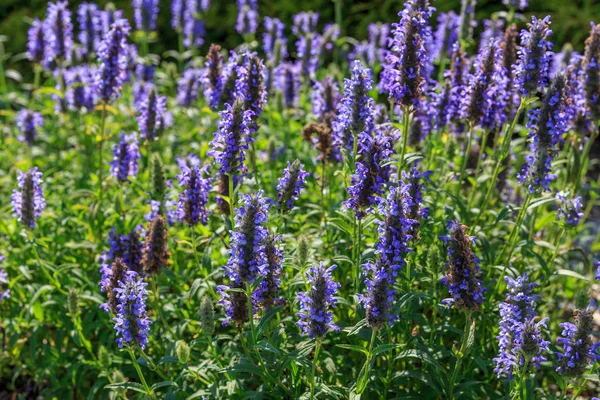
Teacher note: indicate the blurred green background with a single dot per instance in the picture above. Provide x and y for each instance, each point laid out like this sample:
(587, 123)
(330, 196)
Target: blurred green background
(570, 18)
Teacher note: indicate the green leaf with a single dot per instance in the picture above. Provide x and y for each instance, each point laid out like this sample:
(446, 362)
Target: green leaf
(541, 201)
(356, 328)
(363, 378)
(420, 355)
(127, 385)
(163, 384)
(382, 348)
(353, 347)
(265, 320)
(168, 359)
(245, 368)
(573, 274)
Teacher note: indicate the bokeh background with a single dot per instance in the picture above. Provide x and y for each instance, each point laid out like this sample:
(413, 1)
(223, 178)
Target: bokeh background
(570, 18)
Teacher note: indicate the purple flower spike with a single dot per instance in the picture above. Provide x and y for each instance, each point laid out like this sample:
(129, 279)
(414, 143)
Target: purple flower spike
(153, 116)
(211, 79)
(578, 349)
(290, 185)
(305, 23)
(145, 13)
(89, 28)
(4, 292)
(316, 318)
(36, 43)
(191, 206)
(591, 67)
(247, 19)
(126, 155)
(131, 322)
(28, 123)
(113, 57)
(570, 209)
(81, 94)
(189, 87)
(532, 71)
(378, 42)
(58, 32)
(445, 36)
(267, 292)
(274, 36)
(308, 49)
(28, 200)
(288, 82)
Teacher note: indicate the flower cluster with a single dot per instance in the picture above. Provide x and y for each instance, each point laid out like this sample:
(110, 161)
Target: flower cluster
(355, 111)
(156, 246)
(308, 49)
(131, 322)
(290, 185)
(518, 4)
(445, 36)
(251, 87)
(247, 19)
(316, 318)
(192, 203)
(325, 98)
(58, 33)
(188, 87)
(153, 116)
(110, 277)
(450, 99)
(462, 276)
(520, 340)
(4, 292)
(570, 209)
(305, 23)
(28, 200)
(288, 83)
(28, 123)
(113, 57)
(81, 91)
(211, 78)
(591, 67)
(532, 70)
(578, 349)
(416, 212)
(36, 44)
(274, 38)
(267, 292)
(89, 28)
(126, 155)
(145, 13)
(378, 41)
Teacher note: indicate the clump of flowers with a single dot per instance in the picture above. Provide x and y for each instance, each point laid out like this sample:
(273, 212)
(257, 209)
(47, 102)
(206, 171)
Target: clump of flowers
(532, 71)
(415, 184)
(81, 91)
(145, 13)
(192, 203)
(188, 87)
(316, 318)
(131, 322)
(578, 349)
(462, 270)
(570, 209)
(113, 60)
(4, 292)
(58, 33)
(591, 69)
(28, 123)
(268, 290)
(288, 83)
(156, 247)
(126, 155)
(290, 185)
(247, 19)
(520, 339)
(28, 200)
(89, 28)
(153, 116)
(211, 78)
(36, 44)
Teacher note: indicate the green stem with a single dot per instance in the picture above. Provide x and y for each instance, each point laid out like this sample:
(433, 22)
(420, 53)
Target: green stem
(231, 202)
(405, 133)
(459, 356)
(101, 161)
(501, 156)
(357, 253)
(465, 159)
(479, 162)
(557, 246)
(149, 392)
(584, 160)
(314, 368)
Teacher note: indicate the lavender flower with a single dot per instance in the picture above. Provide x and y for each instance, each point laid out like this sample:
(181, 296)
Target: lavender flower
(546, 126)
(108, 17)
(288, 82)
(578, 349)
(89, 28)
(509, 58)
(305, 23)
(331, 34)
(191, 207)
(4, 292)
(569, 209)
(232, 86)
(111, 275)
(518, 4)
(193, 32)
(355, 114)
(131, 323)
(371, 173)
(416, 212)
(36, 43)
(145, 13)
(532, 71)
(153, 116)
(81, 90)
(493, 31)
(247, 19)
(267, 292)
(58, 32)
(520, 339)
(211, 79)
(325, 98)
(290, 185)
(178, 14)
(188, 87)
(424, 121)
(405, 70)
(156, 247)
(113, 57)
(467, 19)
(591, 67)
(316, 318)
(126, 155)
(598, 271)
(247, 259)
(28, 200)
(448, 102)
(251, 86)
(445, 36)
(462, 276)
(392, 247)
(28, 123)
(308, 49)
(484, 100)
(274, 36)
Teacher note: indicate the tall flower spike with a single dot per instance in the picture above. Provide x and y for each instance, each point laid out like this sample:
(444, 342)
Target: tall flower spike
(591, 67)
(290, 185)
(153, 116)
(247, 19)
(578, 349)
(156, 247)
(192, 203)
(355, 112)
(445, 36)
(371, 173)
(532, 71)
(520, 336)
(109, 281)
(325, 98)
(288, 83)
(404, 74)
(126, 155)
(308, 48)
(378, 40)
(247, 259)
(145, 13)
(28, 123)
(81, 90)
(316, 318)
(493, 31)
(546, 126)
(193, 31)
(58, 32)
(211, 79)
(131, 322)
(467, 19)
(392, 247)
(267, 293)
(449, 101)
(598, 271)
(231, 86)
(4, 292)
(484, 101)
(331, 34)
(188, 87)
(416, 212)
(108, 17)
(570, 209)
(305, 23)
(462, 270)
(113, 58)
(274, 33)
(518, 4)
(89, 28)
(178, 14)
(28, 200)
(36, 43)
(509, 58)
(252, 85)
